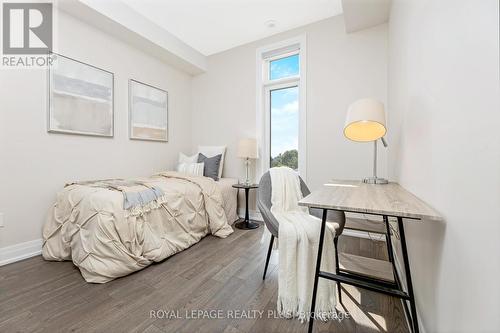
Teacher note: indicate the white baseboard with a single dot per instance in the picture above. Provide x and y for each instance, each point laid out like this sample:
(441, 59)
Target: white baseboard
(256, 216)
(16, 252)
(253, 214)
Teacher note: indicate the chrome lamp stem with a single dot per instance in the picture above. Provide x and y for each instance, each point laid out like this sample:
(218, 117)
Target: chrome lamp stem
(247, 165)
(375, 179)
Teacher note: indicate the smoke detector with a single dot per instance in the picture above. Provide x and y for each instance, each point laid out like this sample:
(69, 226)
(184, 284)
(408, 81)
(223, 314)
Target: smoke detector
(270, 24)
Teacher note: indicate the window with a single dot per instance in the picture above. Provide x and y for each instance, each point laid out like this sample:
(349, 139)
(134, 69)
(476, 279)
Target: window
(281, 97)
(284, 67)
(285, 127)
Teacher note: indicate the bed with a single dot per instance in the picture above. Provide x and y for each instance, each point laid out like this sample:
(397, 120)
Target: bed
(229, 198)
(112, 228)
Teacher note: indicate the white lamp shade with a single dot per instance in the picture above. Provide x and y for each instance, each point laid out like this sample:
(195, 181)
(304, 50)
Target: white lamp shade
(247, 148)
(365, 120)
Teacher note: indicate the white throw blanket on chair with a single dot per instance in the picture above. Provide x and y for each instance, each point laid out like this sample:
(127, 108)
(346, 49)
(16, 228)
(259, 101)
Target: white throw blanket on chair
(298, 246)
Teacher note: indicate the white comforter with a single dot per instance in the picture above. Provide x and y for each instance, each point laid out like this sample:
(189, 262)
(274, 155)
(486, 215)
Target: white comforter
(89, 226)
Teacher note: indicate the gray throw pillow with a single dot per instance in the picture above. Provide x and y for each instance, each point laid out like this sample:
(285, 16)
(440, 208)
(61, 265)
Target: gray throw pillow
(211, 168)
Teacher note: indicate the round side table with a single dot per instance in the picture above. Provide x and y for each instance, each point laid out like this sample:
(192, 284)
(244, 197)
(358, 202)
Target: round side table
(246, 223)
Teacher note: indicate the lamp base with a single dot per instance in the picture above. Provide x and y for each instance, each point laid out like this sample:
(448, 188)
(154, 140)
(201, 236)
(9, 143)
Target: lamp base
(375, 180)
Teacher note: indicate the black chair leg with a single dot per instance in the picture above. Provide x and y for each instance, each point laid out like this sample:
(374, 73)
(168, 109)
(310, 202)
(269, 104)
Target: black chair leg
(268, 256)
(339, 289)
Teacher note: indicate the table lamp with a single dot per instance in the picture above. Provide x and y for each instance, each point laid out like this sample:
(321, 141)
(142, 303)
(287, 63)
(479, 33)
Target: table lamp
(365, 122)
(247, 149)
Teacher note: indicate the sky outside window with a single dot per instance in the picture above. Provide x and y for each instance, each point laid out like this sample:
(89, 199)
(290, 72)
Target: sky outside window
(284, 67)
(284, 113)
(284, 123)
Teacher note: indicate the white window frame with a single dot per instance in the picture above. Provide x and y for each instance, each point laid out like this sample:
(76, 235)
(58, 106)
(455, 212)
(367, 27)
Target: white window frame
(264, 86)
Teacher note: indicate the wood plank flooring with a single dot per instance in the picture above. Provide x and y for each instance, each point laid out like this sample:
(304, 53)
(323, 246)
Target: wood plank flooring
(214, 275)
(372, 268)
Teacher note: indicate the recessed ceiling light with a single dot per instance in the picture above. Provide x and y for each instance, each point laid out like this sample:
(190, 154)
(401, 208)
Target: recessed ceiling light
(270, 24)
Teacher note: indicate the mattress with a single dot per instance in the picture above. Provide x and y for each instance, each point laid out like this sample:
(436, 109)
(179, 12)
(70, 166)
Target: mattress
(90, 224)
(229, 198)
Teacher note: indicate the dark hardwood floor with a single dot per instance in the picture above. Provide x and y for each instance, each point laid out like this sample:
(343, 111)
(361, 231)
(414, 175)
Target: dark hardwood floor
(213, 275)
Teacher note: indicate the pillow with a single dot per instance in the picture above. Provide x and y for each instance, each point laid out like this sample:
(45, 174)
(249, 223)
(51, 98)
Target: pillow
(211, 168)
(191, 168)
(188, 159)
(211, 151)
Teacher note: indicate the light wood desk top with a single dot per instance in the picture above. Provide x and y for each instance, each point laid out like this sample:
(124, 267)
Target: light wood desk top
(355, 196)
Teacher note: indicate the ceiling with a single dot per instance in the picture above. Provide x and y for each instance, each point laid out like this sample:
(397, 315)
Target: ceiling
(362, 14)
(217, 25)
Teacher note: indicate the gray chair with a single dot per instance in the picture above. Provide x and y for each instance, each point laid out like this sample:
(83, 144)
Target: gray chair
(264, 205)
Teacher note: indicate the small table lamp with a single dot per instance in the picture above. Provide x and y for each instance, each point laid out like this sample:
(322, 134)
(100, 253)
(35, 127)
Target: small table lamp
(247, 149)
(365, 122)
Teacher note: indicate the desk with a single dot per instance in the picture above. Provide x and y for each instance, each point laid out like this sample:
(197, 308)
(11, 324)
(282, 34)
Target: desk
(389, 200)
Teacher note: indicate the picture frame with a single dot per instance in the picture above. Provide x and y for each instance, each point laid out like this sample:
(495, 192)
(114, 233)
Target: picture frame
(148, 112)
(80, 98)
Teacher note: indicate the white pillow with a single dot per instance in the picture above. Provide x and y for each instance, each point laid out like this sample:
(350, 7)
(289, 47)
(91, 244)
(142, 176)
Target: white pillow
(188, 159)
(211, 151)
(195, 169)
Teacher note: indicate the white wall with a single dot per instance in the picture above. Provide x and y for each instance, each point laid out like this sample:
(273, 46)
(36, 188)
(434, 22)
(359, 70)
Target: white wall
(444, 113)
(34, 164)
(340, 69)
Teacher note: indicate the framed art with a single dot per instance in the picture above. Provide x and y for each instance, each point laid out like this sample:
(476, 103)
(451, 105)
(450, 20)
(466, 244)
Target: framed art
(148, 112)
(81, 98)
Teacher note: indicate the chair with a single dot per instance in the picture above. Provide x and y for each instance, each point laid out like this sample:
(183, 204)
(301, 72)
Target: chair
(264, 205)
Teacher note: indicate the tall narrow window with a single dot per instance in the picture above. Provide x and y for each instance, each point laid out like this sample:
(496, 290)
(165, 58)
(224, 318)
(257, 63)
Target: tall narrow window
(285, 127)
(281, 113)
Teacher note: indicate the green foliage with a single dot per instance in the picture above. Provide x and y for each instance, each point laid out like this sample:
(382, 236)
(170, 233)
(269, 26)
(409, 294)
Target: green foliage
(289, 158)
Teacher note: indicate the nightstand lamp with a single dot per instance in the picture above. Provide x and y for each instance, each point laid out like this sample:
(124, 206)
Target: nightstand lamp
(365, 122)
(247, 149)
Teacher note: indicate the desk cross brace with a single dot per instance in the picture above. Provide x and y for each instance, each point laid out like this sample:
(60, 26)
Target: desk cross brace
(392, 289)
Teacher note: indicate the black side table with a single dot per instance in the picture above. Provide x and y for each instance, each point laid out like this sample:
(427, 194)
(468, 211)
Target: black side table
(246, 223)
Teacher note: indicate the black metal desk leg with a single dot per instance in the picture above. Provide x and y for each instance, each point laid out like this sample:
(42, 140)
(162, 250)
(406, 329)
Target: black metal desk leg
(337, 267)
(318, 268)
(390, 251)
(409, 284)
(388, 237)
